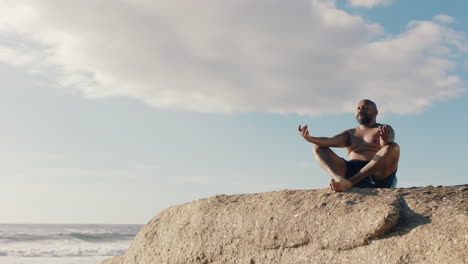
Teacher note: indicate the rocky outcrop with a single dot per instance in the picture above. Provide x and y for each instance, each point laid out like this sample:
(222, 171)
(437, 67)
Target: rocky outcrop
(418, 225)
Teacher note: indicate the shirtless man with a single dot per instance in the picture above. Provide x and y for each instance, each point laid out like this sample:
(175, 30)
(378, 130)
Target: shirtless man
(373, 155)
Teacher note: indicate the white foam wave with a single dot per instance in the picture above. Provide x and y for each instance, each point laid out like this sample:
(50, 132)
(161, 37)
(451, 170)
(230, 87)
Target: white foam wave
(57, 241)
(96, 233)
(64, 249)
(64, 253)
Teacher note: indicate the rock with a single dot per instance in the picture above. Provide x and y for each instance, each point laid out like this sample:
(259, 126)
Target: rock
(417, 225)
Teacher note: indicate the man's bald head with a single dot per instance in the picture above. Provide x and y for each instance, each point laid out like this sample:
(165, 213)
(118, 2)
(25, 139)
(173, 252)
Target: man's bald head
(366, 112)
(368, 102)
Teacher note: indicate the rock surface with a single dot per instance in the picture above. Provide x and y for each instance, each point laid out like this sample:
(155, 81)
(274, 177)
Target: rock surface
(417, 225)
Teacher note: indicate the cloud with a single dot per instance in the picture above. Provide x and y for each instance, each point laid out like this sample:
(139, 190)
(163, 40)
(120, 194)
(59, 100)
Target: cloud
(304, 57)
(444, 18)
(369, 3)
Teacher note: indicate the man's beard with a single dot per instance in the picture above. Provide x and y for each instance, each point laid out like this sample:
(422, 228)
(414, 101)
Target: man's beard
(363, 119)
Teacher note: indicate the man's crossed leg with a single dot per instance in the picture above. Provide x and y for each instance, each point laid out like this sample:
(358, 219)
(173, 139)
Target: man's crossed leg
(383, 165)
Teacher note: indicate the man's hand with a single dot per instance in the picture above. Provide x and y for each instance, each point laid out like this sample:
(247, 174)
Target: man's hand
(340, 185)
(304, 132)
(385, 134)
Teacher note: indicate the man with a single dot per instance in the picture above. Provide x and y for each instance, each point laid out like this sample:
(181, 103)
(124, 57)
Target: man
(372, 152)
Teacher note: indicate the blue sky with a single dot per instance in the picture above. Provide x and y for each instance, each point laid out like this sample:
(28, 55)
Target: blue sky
(114, 110)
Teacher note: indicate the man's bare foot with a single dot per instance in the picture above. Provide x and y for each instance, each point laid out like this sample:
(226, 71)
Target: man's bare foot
(341, 185)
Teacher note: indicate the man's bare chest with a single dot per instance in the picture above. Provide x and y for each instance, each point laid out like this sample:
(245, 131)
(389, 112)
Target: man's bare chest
(364, 138)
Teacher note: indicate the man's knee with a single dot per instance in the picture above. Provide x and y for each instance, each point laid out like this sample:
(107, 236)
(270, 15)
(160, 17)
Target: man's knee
(318, 150)
(315, 148)
(392, 151)
(392, 148)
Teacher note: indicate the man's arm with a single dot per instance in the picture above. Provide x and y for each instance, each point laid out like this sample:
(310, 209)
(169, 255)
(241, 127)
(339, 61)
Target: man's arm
(387, 134)
(340, 141)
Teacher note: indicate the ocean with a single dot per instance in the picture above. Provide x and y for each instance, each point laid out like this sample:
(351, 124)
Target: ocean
(63, 244)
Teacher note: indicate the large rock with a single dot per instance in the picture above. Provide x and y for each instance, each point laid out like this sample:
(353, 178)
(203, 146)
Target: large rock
(419, 225)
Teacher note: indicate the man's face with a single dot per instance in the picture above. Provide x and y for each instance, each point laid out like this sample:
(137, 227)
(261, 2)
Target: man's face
(365, 112)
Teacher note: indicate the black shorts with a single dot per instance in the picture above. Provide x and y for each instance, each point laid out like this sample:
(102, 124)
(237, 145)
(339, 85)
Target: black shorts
(353, 166)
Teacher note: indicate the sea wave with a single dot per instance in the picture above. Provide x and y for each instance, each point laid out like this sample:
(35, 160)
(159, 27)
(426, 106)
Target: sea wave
(16, 233)
(65, 240)
(101, 236)
(90, 237)
(70, 252)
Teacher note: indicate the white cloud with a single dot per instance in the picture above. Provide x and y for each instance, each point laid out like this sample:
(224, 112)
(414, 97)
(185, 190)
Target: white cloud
(305, 57)
(369, 3)
(444, 18)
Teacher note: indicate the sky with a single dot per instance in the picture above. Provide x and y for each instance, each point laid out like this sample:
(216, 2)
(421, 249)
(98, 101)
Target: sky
(113, 110)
